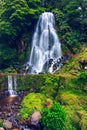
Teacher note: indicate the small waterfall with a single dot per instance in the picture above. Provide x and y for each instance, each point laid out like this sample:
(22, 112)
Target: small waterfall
(46, 49)
(12, 86)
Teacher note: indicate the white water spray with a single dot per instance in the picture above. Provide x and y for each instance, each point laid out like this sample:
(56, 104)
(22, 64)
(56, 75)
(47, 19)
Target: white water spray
(46, 48)
(11, 89)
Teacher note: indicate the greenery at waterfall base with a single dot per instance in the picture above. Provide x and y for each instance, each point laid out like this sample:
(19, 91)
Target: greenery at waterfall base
(68, 87)
(53, 115)
(54, 118)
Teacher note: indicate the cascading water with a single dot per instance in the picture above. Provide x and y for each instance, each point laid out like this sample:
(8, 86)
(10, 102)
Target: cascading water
(46, 48)
(12, 89)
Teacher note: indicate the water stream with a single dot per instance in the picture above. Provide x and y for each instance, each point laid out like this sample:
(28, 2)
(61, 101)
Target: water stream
(12, 86)
(46, 49)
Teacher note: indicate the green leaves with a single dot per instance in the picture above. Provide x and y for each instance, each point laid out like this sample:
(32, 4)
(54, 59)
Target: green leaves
(83, 78)
(17, 18)
(54, 118)
(6, 29)
(19, 14)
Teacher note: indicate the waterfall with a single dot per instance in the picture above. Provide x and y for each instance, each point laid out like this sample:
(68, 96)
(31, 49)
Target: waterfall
(46, 49)
(12, 85)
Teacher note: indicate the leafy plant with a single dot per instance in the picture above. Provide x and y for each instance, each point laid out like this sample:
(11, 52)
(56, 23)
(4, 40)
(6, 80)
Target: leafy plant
(54, 118)
(83, 77)
(82, 80)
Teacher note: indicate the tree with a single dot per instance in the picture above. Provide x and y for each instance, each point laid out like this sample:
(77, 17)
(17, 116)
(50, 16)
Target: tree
(17, 19)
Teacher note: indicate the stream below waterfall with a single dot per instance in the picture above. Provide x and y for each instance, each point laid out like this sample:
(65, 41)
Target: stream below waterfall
(9, 107)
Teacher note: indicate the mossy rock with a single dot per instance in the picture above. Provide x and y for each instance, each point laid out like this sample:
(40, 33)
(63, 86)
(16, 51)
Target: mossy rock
(83, 119)
(75, 105)
(48, 103)
(10, 70)
(83, 123)
(33, 102)
(68, 98)
(73, 66)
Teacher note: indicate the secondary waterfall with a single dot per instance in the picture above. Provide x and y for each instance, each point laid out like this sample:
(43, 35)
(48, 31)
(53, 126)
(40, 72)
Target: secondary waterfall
(46, 49)
(12, 85)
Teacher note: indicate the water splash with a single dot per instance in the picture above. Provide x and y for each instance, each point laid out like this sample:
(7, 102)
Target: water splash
(46, 48)
(11, 89)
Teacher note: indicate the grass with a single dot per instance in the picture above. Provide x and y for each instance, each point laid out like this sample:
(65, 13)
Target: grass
(75, 104)
(73, 66)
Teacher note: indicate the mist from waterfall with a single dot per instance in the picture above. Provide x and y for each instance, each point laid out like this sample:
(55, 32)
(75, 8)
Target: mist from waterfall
(46, 48)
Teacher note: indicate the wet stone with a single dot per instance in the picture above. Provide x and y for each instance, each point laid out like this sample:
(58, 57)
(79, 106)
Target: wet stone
(13, 107)
(9, 114)
(7, 124)
(2, 129)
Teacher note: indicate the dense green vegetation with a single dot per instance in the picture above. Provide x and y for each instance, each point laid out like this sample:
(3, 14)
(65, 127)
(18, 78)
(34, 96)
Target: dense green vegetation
(69, 85)
(18, 20)
(54, 118)
(32, 102)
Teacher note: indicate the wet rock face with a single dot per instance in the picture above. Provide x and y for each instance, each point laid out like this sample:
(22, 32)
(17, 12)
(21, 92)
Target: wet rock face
(83, 64)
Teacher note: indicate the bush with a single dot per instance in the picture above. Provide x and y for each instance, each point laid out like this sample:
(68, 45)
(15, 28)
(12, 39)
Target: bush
(82, 80)
(54, 118)
(68, 98)
(83, 77)
(30, 103)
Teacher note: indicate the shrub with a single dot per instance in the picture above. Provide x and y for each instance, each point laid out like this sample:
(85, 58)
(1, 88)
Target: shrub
(54, 118)
(68, 98)
(30, 103)
(82, 80)
(83, 77)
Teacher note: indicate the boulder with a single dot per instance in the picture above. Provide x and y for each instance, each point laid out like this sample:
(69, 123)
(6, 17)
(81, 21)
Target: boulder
(2, 129)
(83, 63)
(7, 124)
(35, 118)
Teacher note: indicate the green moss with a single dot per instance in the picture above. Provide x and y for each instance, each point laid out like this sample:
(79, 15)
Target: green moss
(73, 66)
(75, 103)
(32, 102)
(68, 98)
(83, 122)
(10, 70)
